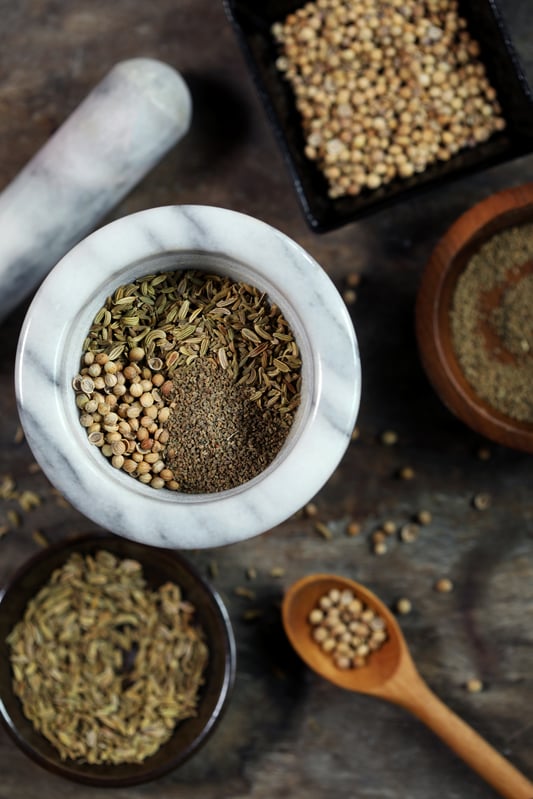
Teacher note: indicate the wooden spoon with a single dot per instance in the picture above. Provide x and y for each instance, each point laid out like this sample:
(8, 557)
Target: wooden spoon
(391, 674)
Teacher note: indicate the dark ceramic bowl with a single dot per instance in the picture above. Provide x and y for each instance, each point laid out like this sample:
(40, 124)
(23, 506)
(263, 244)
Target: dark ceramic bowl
(252, 22)
(158, 566)
(502, 210)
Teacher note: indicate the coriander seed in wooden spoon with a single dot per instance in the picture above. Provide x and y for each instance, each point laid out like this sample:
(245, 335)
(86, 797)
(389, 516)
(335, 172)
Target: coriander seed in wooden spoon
(389, 673)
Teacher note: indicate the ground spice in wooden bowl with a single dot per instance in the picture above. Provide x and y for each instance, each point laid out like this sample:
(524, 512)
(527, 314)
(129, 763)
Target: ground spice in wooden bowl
(492, 322)
(474, 321)
(189, 381)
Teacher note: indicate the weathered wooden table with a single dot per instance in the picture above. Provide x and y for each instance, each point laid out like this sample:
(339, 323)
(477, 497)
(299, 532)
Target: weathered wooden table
(286, 733)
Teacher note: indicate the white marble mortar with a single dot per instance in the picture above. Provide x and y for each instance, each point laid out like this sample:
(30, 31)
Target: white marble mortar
(162, 239)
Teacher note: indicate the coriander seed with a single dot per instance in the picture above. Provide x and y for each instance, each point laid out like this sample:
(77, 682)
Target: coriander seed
(389, 438)
(444, 585)
(381, 99)
(409, 532)
(403, 606)
(406, 473)
(474, 685)
(482, 501)
(346, 628)
(353, 529)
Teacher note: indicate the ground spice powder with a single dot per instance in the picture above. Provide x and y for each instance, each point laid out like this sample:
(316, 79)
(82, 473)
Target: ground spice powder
(492, 322)
(218, 438)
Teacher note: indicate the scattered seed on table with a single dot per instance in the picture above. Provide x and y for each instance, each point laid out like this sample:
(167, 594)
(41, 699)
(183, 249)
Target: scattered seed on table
(389, 527)
(252, 614)
(482, 501)
(353, 528)
(424, 517)
(311, 509)
(213, 568)
(406, 473)
(353, 280)
(380, 548)
(323, 530)
(355, 433)
(277, 571)
(313, 725)
(247, 593)
(19, 435)
(349, 296)
(40, 538)
(389, 438)
(251, 573)
(444, 585)
(403, 606)
(474, 685)
(409, 532)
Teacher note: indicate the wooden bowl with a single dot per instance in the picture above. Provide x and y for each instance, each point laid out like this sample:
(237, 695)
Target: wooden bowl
(433, 329)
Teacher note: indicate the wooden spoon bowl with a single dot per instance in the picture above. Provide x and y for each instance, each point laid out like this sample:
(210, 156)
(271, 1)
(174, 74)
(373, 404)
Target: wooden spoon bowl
(390, 674)
(298, 602)
(435, 295)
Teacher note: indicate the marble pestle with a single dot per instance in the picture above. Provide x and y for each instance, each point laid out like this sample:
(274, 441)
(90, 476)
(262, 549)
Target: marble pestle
(120, 131)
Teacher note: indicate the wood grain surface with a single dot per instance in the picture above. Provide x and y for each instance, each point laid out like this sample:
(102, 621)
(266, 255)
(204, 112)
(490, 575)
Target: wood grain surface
(288, 733)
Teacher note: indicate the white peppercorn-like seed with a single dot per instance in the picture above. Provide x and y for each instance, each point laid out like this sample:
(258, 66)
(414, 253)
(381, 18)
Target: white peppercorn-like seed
(316, 616)
(403, 606)
(340, 630)
(409, 532)
(424, 517)
(474, 685)
(444, 585)
(320, 634)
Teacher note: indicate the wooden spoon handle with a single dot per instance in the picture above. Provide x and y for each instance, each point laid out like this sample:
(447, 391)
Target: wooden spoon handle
(465, 742)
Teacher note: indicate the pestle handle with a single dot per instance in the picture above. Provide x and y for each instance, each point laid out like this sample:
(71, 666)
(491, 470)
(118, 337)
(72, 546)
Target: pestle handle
(120, 131)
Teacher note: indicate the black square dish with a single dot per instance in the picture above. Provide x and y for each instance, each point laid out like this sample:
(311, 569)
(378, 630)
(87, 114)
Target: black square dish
(252, 22)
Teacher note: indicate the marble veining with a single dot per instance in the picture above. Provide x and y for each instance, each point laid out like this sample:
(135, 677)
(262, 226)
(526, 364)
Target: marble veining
(114, 137)
(50, 348)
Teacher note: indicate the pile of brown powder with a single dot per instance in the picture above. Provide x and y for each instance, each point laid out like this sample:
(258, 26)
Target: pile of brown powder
(218, 438)
(492, 322)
